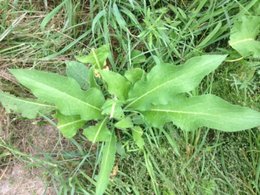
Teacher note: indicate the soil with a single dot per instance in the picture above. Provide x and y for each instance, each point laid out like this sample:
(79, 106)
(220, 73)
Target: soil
(16, 178)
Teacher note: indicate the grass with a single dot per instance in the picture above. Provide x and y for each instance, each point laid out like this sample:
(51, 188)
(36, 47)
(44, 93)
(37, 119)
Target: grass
(43, 35)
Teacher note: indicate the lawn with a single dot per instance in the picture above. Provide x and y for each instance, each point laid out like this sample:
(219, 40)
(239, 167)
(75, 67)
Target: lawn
(38, 157)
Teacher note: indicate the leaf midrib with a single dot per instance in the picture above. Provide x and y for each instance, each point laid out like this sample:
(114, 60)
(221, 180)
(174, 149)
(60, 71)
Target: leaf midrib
(99, 129)
(28, 102)
(191, 113)
(70, 123)
(154, 89)
(66, 94)
(241, 41)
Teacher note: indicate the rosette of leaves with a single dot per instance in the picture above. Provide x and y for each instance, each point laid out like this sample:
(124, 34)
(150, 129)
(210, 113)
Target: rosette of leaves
(113, 101)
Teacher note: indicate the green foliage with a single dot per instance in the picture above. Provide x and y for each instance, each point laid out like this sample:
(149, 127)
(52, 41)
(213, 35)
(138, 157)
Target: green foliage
(154, 98)
(69, 125)
(106, 166)
(97, 57)
(63, 92)
(28, 108)
(98, 133)
(117, 85)
(203, 111)
(113, 108)
(166, 80)
(79, 72)
(137, 133)
(244, 35)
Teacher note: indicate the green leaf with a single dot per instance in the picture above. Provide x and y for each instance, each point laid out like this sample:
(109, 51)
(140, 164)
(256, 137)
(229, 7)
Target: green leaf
(203, 111)
(164, 81)
(91, 78)
(244, 34)
(29, 108)
(97, 57)
(137, 133)
(116, 83)
(135, 74)
(124, 123)
(79, 72)
(97, 133)
(113, 109)
(69, 125)
(106, 166)
(137, 57)
(63, 92)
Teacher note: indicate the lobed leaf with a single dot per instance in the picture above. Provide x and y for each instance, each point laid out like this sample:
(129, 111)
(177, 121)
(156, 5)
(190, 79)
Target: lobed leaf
(28, 108)
(165, 81)
(63, 92)
(203, 111)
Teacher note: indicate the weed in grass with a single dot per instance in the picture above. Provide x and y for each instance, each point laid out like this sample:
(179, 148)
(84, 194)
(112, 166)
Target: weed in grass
(132, 95)
(196, 162)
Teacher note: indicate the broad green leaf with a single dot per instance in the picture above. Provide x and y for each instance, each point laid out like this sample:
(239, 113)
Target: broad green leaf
(97, 57)
(106, 166)
(244, 34)
(79, 72)
(116, 83)
(69, 125)
(97, 133)
(203, 111)
(134, 75)
(63, 92)
(137, 133)
(29, 108)
(165, 81)
(113, 109)
(124, 123)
